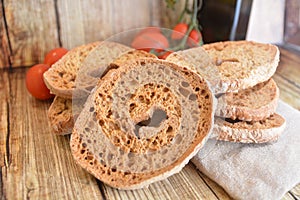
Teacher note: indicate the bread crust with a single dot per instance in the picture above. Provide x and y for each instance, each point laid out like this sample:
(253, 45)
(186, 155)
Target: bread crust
(251, 104)
(232, 65)
(263, 131)
(134, 180)
(60, 116)
(61, 77)
(243, 64)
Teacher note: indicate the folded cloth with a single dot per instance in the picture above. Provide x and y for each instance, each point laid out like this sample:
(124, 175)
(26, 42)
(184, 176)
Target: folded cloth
(256, 171)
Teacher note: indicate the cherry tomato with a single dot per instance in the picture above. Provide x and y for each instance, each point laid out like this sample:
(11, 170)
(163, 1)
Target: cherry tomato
(150, 29)
(194, 38)
(54, 55)
(164, 55)
(179, 31)
(35, 82)
(150, 40)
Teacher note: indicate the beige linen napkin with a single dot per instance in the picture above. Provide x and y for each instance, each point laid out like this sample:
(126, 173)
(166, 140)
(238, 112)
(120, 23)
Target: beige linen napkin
(256, 171)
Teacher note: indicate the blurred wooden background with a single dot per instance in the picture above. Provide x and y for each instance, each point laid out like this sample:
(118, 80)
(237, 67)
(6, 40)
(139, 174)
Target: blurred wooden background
(30, 28)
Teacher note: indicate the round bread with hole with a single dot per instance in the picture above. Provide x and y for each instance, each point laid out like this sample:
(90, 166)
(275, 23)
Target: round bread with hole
(142, 123)
(251, 104)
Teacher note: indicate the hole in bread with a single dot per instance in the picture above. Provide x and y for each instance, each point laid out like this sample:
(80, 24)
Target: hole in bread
(220, 61)
(184, 92)
(184, 84)
(232, 120)
(158, 116)
(193, 97)
(170, 129)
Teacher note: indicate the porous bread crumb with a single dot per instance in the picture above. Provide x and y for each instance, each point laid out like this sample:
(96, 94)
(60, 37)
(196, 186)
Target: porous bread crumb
(262, 131)
(251, 104)
(137, 166)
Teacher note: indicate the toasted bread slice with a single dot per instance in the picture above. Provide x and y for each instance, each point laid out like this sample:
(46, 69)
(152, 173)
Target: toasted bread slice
(60, 78)
(231, 66)
(267, 130)
(60, 116)
(243, 64)
(251, 104)
(61, 111)
(115, 138)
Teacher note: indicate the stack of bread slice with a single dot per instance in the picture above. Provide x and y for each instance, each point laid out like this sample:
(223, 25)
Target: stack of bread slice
(247, 94)
(61, 80)
(142, 122)
(142, 119)
(62, 77)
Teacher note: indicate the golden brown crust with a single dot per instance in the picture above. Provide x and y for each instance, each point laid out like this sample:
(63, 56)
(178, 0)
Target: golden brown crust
(251, 104)
(60, 78)
(115, 176)
(60, 116)
(243, 64)
(232, 65)
(267, 130)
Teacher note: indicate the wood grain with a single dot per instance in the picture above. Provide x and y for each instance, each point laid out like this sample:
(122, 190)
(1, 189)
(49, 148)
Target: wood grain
(40, 164)
(4, 111)
(4, 47)
(37, 164)
(289, 66)
(87, 21)
(32, 30)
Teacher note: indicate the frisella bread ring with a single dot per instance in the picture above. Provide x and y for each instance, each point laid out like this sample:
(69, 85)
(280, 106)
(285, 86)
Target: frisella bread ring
(142, 123)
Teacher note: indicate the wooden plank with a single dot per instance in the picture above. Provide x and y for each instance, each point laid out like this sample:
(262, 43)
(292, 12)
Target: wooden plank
(4, 47)
(4, 91)
(288, 196)
(289, 92)
(185, 185)
(106, 18)
(103, 19)
(41, 165)
(289, 66)
(32, 30)
(295, 191)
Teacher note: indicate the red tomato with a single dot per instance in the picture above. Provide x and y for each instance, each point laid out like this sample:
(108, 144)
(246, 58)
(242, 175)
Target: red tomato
(194, 38)
(35, 82)
(179, 31)
(150, 29)
(150, 40)
(165, 55)
(54, 55)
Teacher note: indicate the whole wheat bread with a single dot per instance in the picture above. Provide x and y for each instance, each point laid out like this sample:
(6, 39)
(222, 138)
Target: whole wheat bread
(60, 116)
(61, 111)
(115, 138)
(232, 65)
(262, 131)
(61, 77)
(251, 104)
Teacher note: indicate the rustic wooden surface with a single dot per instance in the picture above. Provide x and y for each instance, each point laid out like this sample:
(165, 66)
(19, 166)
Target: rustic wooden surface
(29, 29)
(36, 164)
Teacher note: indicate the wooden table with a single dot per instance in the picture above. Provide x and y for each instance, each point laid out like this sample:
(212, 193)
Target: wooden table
(35, 164)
